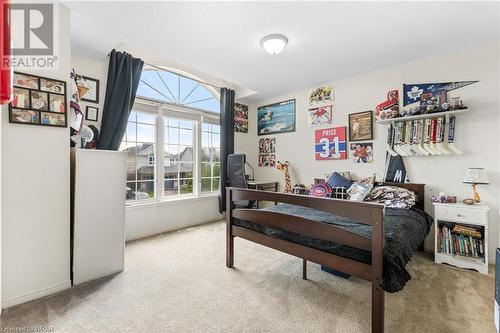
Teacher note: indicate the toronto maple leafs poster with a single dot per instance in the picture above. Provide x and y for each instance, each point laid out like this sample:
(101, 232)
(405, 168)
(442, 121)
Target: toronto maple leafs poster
(412, 92)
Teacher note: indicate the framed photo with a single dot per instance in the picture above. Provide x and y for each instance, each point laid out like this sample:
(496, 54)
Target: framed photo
(92, 94)
(320, 116)
(320, 97)
(92, 113)
(267, 146)
(330, 144)
(52, 86)
(361, 152)
(54, 119)
(38, 101)
(361, 126)
(25, 81)
(57, 103)
(267, 160)
(21, 98)
(24, 116)
(276, 118)
(240, 118)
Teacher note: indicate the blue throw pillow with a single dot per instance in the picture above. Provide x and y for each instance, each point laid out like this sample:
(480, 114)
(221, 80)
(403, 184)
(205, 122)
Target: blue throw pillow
(337, 180)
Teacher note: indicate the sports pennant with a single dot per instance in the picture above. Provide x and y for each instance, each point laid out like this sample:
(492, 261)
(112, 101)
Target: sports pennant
(412, 92)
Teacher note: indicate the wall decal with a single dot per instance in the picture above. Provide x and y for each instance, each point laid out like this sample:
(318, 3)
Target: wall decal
(362, 152)
(276, 118)
(320, 116)
(412, 92)
(321, 96)
(240, 118)
(388, 108)
(330, 143)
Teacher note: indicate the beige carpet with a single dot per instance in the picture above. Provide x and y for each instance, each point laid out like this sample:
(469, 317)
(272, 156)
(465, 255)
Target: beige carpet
(179, 283)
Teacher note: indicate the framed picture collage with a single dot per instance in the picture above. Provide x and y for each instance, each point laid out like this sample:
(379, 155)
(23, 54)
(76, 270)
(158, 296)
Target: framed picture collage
(38, 101)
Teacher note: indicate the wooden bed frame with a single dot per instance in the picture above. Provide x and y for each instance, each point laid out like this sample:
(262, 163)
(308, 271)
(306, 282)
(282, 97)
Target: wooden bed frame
(364, 212)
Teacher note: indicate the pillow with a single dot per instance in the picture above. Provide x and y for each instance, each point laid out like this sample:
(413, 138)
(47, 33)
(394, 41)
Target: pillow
(337, 180)
(322, 190)
(359, 191)
(393, 196)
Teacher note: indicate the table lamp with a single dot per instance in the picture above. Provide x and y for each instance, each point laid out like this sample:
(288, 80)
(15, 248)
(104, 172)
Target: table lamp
(475, 176)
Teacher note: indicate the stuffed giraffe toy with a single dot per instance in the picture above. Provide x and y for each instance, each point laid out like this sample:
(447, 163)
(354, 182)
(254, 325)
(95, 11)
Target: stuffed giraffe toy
(284, 167)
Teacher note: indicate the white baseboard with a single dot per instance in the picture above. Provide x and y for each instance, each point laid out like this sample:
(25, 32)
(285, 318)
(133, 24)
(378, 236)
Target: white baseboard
(7, 303)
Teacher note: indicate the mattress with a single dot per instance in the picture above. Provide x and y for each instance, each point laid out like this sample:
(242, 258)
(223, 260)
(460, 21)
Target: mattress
(405, 230)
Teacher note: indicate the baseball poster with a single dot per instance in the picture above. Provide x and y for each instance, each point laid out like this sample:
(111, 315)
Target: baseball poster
(330, 144)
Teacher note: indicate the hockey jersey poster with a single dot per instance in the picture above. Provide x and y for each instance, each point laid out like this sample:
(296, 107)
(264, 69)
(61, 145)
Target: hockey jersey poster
(330, 144)
(412, 92)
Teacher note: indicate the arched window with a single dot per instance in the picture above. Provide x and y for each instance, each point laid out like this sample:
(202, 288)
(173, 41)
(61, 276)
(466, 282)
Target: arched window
(175, 115)
(178, 89)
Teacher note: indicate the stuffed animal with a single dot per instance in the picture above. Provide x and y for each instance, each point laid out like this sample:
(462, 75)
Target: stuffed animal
(284, 167)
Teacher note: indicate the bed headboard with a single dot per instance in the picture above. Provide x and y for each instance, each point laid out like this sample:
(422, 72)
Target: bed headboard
(419, 189)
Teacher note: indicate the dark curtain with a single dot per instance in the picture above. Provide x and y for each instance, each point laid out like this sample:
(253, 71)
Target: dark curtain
(124, 74)
(226, 139)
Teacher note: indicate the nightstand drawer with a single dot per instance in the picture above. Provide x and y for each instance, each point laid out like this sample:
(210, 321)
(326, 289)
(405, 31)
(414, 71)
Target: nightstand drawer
(461, 215)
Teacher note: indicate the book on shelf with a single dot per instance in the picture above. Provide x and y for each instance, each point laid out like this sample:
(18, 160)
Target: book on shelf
(463, 241)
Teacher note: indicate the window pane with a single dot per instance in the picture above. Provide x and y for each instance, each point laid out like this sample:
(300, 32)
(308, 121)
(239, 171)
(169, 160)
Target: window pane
(216, 128)
(205, 127)
(206, 170)
(173, 122)
(205, 184)
(205, 141)
(145, 133)
(216, 156)
(173, 135)
(187, 124)
(186, 137)
(171, 187)
(171, 171)
(186, 185)
(130, 133)
(172, 152)
(131, 171)
(145, 118)
(185, 170)
(145, 171)
(141, 190)
(185, 154)
(216, 170)
(132, 116)
(215, 184)
(206, 154)
(215, 140)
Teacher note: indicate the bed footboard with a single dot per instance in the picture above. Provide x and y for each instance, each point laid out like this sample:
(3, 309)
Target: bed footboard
(366, 213)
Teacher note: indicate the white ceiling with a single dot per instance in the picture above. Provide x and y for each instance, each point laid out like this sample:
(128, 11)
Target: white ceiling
(327, 40)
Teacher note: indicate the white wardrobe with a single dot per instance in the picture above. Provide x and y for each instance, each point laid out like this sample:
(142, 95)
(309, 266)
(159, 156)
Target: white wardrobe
(98, 213)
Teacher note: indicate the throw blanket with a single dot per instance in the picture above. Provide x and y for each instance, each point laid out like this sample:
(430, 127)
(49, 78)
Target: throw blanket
(405, 230)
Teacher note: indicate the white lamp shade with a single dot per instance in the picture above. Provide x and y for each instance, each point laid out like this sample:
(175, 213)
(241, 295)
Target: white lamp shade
(274, 44)
(476, 176)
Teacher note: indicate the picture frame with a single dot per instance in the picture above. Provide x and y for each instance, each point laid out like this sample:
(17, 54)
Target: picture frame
(330, 143)
(38, 100)
(276, 118)
(321, 96)
(240, 118)
(91, 113)
(361, 152)
(92, 94)
(361, 126)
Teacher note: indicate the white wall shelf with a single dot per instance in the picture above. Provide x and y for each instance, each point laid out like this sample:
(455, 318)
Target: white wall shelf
(421, 116)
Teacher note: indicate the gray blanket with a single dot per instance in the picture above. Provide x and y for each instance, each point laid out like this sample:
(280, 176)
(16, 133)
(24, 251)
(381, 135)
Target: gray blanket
(405, 230)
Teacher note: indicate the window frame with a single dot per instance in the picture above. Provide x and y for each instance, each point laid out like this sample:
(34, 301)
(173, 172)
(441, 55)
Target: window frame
(161, 110)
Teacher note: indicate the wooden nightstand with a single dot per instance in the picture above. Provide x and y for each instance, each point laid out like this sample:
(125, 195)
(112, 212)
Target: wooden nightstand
(461, 235)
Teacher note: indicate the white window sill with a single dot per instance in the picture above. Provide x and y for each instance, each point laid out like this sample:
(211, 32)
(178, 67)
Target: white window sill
(170, 201)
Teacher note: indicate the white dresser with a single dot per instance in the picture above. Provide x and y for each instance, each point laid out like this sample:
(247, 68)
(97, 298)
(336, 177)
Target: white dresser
(98, 213)
(446, 217)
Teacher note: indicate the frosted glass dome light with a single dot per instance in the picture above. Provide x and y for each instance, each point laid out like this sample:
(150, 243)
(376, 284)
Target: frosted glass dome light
(274, 44)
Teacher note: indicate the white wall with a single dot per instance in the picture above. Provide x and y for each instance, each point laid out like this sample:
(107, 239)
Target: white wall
(96, 69)
(147, 220)
(476, 132)
(35, 199)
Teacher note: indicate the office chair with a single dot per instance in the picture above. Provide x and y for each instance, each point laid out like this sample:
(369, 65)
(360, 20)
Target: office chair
(236, 177)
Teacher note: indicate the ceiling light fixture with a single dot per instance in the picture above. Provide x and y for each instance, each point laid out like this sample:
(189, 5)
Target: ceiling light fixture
(274, 44)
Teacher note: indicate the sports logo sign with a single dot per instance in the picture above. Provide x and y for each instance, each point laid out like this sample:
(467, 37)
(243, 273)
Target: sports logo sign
(330, 143)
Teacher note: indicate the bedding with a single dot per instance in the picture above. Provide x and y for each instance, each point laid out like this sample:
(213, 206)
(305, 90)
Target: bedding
(405, 231)
(359, 191)
(392, 196)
